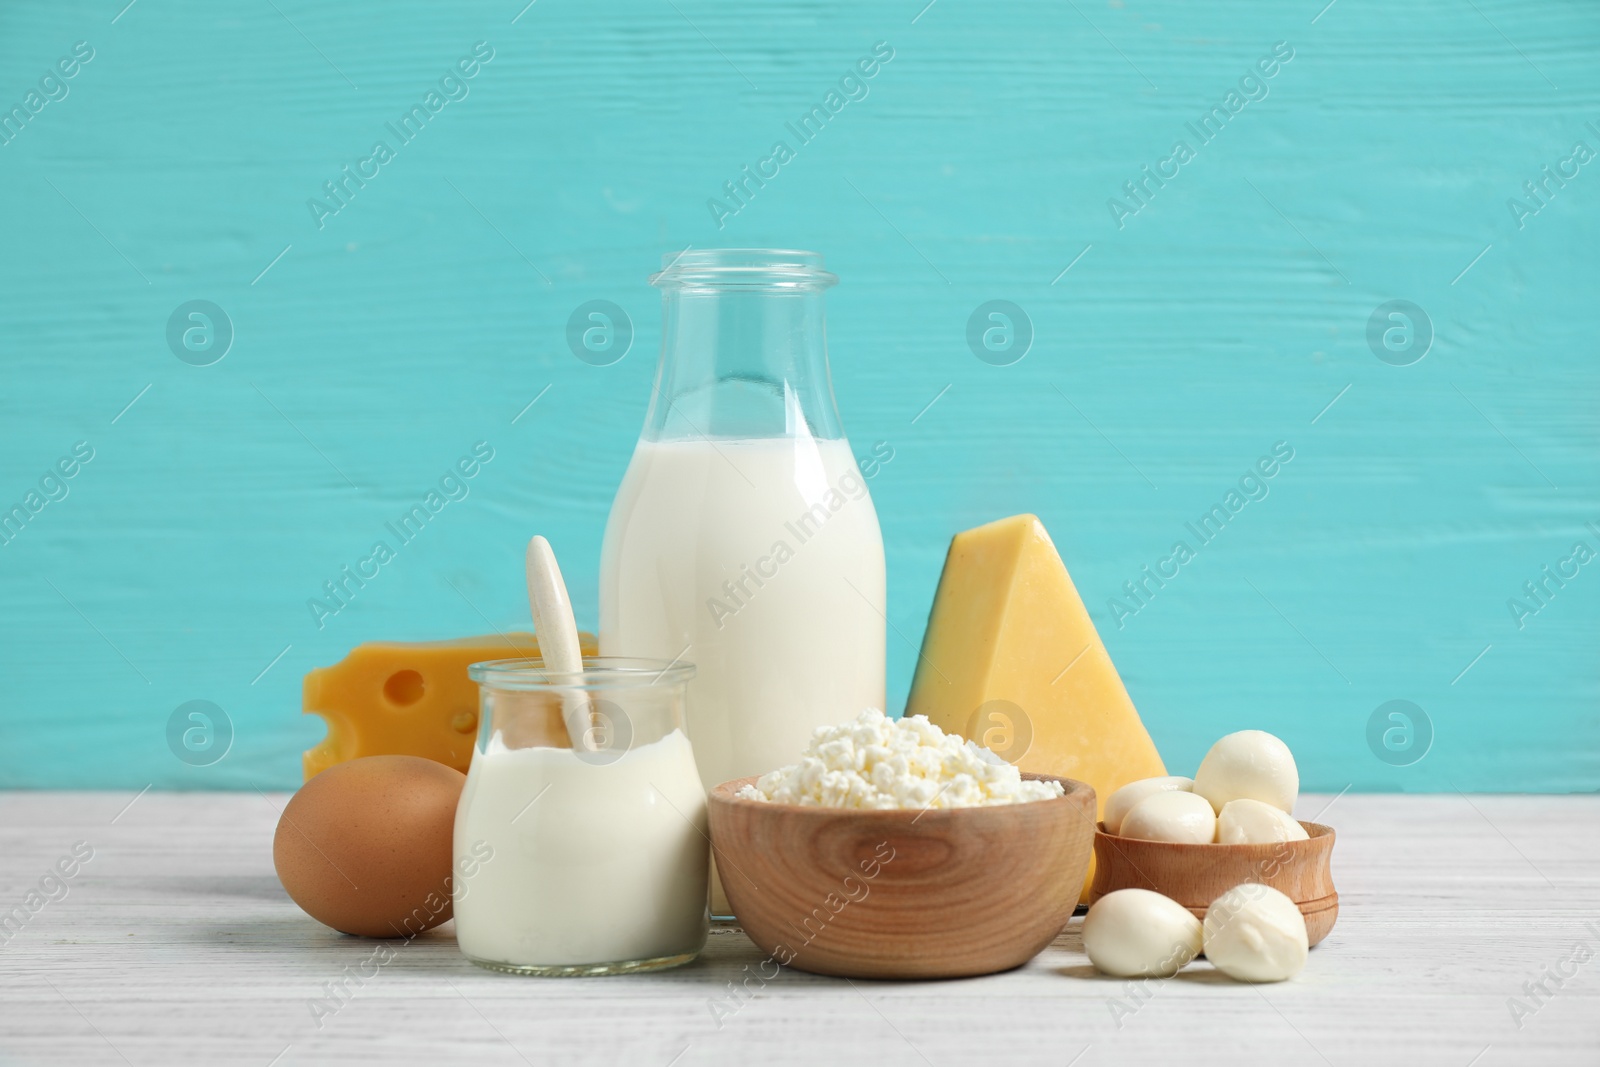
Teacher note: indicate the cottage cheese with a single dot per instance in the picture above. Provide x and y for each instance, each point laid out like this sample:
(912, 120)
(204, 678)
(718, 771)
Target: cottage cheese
(879, 762)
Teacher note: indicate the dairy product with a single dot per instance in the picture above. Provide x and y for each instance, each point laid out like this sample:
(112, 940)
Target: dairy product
(1135, 933)
(406, 698)
(1171, 815)
(1011, 651)
(1250, 764)
(1122, 801)
(758, 560)
(595, 860)
(877, 762)
(1255, 934)
(1250, 822)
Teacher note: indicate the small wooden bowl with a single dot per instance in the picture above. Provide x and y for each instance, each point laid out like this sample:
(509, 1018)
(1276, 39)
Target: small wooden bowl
(942, 893)
(1195, 875)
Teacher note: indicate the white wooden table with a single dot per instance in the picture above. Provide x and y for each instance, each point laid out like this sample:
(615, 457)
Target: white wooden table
(175, 944)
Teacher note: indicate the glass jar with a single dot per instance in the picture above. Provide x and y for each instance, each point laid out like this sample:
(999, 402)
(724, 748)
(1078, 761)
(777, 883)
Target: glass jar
(743, 536)
(588, 859)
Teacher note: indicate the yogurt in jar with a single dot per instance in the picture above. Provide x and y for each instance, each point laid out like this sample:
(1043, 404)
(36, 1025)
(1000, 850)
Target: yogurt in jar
(598, 858)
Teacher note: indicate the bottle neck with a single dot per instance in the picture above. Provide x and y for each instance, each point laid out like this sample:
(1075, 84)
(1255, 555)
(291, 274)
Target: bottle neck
(742, 362)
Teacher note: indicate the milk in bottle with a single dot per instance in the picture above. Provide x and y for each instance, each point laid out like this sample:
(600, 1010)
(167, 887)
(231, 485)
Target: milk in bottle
(743, 538)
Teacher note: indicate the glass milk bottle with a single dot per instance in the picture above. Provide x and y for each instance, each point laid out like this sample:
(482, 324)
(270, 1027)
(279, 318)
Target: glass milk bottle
(743, 538)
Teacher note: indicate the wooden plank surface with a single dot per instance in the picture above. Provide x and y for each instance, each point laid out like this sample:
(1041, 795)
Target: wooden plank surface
(1229, 313)
(175, 944)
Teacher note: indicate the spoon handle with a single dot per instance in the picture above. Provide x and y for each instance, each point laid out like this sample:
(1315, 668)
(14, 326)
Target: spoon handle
(558, 635)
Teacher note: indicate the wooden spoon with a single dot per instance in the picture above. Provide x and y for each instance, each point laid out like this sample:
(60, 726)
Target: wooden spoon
(558, 638)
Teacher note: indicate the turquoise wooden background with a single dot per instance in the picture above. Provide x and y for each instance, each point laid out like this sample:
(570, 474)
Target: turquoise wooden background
(1228, 313)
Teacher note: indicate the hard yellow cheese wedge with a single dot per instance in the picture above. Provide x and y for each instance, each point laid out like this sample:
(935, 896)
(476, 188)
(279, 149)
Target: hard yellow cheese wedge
(399, 698)
(1012, 660)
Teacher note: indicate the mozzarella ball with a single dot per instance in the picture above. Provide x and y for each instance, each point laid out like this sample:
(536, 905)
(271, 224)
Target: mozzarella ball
(1249, 765)
(1255, 934)
(1123, 800)
(1250, 822)
(1171, 816)
(1134, 933)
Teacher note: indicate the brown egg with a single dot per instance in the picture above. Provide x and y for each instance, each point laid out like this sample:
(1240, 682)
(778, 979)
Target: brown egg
(365, 846)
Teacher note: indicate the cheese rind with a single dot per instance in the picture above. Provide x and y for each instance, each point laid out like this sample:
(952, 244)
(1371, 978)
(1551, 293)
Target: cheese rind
(402, 698)
(1011, 652)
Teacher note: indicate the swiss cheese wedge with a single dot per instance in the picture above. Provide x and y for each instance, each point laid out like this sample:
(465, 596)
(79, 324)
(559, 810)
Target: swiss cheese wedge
(1012, 660)
(401, 698)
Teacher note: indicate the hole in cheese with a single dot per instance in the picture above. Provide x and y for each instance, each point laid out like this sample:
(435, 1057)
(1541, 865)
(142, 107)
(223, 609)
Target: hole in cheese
(404, 688)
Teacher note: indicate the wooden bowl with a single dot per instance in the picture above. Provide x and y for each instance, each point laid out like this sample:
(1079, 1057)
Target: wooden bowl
(1195, 875)
(941, 893)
